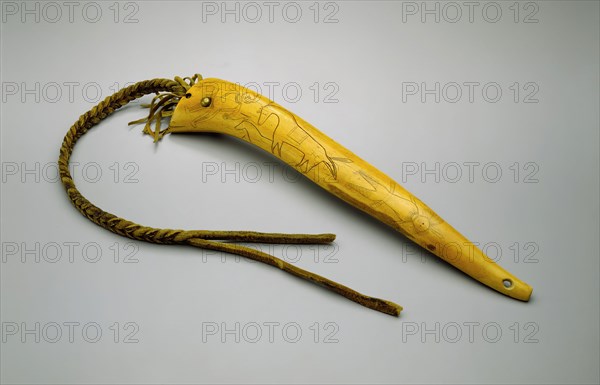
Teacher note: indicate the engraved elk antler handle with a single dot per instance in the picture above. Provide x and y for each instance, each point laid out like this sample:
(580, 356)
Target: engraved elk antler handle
(214, 105)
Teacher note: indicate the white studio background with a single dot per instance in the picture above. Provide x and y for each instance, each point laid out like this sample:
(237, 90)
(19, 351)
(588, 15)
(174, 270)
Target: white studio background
(487, 111)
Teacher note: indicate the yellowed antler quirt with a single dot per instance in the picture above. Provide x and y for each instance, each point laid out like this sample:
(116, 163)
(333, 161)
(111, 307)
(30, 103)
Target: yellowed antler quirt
(214, 105)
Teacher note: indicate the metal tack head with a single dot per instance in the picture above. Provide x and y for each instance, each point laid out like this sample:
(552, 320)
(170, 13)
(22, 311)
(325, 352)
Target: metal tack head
(205, 102)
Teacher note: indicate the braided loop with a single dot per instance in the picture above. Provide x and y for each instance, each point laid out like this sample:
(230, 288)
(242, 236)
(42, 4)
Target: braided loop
(198, 238)
(81, 126)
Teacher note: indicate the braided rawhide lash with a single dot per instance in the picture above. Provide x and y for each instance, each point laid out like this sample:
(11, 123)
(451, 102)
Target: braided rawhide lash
(168, 94)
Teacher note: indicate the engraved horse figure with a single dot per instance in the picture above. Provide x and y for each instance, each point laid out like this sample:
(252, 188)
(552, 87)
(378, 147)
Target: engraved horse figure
(283, 130)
